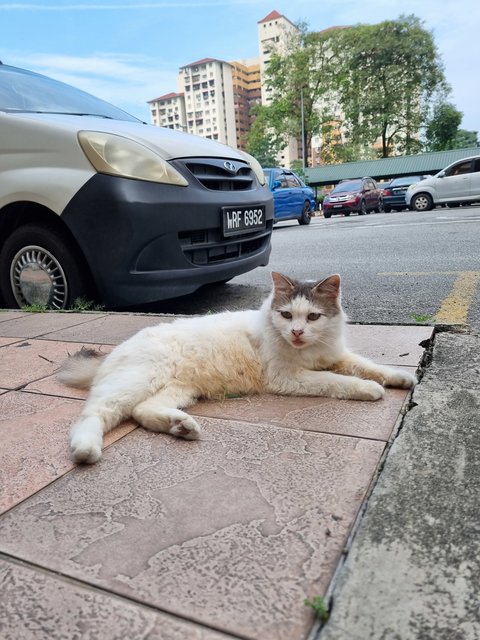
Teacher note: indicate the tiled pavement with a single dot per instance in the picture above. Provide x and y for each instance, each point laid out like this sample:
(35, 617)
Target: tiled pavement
(167, 539)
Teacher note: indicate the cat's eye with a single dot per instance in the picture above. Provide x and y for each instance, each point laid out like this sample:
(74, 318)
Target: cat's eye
(286, 314)
(313, 316)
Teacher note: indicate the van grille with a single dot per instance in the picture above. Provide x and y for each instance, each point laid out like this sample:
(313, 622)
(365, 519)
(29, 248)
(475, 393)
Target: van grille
(208, 247)
(220, 174)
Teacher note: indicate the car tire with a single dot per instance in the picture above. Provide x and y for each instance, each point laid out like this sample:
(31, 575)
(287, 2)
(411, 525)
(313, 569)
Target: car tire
(38, 267)
(306, 216)
(387, 209)
(346, 214)
(380, 207)
(422, 202)
(363, 208)
(327, 215)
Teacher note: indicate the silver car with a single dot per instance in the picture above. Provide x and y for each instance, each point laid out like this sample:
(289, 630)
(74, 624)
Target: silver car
(458, 183)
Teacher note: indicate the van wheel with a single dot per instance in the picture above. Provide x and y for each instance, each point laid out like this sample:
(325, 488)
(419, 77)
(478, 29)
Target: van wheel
(306, 216)
(37, 267)
(422, 202)
(363, 208)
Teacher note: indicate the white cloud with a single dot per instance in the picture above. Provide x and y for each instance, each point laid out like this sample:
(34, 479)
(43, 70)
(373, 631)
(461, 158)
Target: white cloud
(126, 81)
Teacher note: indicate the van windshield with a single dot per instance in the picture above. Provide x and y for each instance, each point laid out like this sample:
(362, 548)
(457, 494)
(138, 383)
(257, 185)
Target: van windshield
(27, 92)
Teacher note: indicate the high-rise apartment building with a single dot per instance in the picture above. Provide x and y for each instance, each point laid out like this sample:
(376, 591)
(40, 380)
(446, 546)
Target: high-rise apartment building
(208, 90)
(214, 98)
(274, 33)
(246, 93)
(169, 111)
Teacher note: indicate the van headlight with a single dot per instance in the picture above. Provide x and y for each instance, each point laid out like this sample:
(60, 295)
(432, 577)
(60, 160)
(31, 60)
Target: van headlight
(119, 156)
(255, 165)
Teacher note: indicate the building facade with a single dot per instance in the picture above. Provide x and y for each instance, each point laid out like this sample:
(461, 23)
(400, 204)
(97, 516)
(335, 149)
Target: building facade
(275, 31)
(169, 111)
(246, 93)
(214, 98)
(208, 89)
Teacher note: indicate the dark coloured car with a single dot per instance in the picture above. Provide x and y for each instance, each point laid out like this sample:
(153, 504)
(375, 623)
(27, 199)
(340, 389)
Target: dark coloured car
(360, 195)
(293, 199)
(96, 204)
(394, 192)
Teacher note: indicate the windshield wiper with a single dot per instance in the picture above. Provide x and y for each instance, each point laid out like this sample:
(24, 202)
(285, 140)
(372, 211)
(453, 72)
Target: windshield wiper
(59, 113)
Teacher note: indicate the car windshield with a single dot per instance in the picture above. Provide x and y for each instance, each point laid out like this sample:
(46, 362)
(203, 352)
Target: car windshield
(402, 181)
(25, 91)
(354, 185)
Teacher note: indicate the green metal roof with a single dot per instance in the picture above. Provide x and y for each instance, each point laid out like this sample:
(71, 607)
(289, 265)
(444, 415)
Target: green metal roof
(428, 163)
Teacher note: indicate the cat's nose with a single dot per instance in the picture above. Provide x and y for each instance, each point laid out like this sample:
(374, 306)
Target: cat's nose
(297, 332)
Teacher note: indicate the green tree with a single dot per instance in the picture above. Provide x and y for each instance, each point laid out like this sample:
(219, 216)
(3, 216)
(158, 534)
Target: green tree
(387, 76)
(466, 139)
(442, 130)
(263, 143)
(301, 82)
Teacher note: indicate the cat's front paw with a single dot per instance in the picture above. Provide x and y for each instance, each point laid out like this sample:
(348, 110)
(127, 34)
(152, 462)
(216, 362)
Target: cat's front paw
(186, 428)
(400, 379)
(85, 450)
(367, 390)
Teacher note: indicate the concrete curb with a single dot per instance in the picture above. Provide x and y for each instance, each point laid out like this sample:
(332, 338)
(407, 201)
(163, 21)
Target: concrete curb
(413, 570)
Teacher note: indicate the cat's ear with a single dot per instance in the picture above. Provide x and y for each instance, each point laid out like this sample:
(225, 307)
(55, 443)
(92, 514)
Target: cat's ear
(281, 283)
(329, 286)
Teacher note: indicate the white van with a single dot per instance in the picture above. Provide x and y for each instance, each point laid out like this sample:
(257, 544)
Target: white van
(459, 182)
(96, 204)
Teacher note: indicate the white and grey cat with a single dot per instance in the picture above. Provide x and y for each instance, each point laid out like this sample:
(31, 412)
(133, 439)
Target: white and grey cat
(293, 345)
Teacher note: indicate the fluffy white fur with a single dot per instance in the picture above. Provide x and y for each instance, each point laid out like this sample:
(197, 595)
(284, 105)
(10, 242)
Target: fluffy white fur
(293, 345)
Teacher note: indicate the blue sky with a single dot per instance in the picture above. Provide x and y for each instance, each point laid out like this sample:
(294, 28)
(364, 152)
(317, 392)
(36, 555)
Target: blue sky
(129, 52)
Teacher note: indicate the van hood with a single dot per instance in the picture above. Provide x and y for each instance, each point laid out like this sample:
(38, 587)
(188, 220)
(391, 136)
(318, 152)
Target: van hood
(168, 143)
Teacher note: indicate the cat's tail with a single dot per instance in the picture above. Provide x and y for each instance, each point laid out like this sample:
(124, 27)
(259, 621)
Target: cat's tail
(79, 369)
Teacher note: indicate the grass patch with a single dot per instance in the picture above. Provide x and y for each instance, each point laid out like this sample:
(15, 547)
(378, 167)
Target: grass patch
(319, 606)
(82, 304)
(422, 318)
(79, 304)
(35, 308)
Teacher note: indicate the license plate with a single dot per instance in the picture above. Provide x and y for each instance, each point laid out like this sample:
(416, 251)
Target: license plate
(238, 220)
(337, 206)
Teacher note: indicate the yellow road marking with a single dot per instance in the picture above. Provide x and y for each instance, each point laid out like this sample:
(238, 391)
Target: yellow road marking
(455, 307)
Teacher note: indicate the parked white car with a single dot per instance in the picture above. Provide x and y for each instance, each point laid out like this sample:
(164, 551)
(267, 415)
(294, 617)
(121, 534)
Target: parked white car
(459, 182)
(96, 204)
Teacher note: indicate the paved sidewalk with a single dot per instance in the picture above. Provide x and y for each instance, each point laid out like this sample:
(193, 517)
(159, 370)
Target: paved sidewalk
(166, 539)
(413, 571)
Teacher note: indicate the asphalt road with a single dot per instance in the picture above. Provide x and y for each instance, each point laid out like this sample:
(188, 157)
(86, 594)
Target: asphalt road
(402, 267)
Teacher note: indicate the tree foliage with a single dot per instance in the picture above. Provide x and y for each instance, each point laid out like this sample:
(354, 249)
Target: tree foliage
(466, 139)
(359, 85)
(301, 83)
(389, 73)
(263, 141)
(442, 131)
